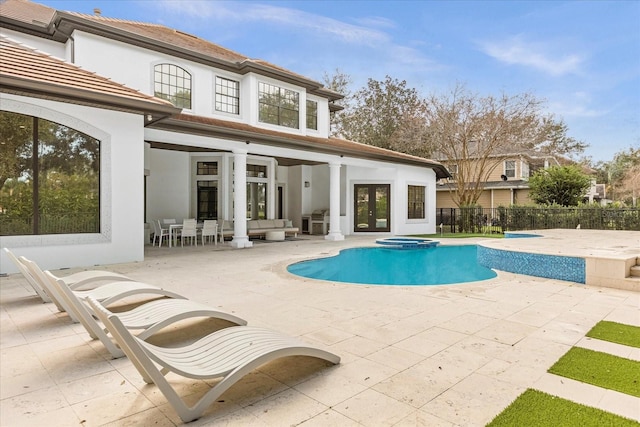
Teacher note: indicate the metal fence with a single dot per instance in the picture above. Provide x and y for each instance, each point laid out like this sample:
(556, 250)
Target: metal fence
(499, 220)
(51, 224)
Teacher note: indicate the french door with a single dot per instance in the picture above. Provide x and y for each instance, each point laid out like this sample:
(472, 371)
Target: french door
(371, 207)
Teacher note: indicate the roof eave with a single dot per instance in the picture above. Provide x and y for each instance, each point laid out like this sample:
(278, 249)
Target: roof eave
(205, 129)
(46, 90)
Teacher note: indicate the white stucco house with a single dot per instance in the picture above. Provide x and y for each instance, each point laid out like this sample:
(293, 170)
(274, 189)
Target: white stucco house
(167, 125)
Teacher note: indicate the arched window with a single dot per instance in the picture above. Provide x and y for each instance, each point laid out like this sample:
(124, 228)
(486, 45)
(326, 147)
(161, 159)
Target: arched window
(173, 84)
(49, 178)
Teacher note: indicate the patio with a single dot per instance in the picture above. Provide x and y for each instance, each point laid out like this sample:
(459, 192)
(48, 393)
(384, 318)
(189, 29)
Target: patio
(435, 356)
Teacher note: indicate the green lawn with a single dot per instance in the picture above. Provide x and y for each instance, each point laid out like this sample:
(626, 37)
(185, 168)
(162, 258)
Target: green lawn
(535, 408)
(600, 369)
(616, 332)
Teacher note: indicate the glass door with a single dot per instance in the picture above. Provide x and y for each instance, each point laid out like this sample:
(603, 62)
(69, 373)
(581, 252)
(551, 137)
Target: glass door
(371, 207)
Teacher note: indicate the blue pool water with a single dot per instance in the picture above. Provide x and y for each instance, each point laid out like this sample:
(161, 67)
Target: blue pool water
(383, 266)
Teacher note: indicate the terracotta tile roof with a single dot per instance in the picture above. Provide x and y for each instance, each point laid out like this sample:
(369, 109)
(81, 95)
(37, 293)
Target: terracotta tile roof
(27, 12)
(241, 131)
(24, 69)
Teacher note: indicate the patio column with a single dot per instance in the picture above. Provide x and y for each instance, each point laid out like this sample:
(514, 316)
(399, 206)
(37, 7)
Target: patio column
(334, 203)
(240, 238)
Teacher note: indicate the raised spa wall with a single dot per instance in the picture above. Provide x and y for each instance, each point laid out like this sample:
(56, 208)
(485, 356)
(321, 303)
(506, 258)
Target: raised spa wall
(607, 272)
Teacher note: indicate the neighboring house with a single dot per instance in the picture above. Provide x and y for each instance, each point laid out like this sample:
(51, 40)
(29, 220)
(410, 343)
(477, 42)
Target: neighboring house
(148, 122)
(506, 185)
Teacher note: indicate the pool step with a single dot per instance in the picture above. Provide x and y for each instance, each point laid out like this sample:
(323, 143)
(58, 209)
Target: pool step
(635, 271)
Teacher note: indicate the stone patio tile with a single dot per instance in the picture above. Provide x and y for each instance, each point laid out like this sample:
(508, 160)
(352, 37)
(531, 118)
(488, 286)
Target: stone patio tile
(289, 407)
(620, 350)
(330, 389)
(330, 418)
(372, 408)
(421, 418)
(45, 406)
(475, 400)
(151, 417)
(468, 323)
(506, 332)
(396, 358)
(328, 335)
(359, 346)
(419, 384)
(421, 345)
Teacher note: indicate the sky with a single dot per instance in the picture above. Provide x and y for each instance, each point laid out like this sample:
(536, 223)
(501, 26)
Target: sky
(581, 57)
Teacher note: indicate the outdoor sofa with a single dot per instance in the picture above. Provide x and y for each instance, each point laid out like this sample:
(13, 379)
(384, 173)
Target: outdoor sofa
(259, 227)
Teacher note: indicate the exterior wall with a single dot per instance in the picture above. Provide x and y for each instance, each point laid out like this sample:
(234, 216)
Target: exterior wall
(96, 54)
(485, 199)
(521, 197)
(51, 47)
(168, 188)
(499, 169)
(502, 198)
(121, 190)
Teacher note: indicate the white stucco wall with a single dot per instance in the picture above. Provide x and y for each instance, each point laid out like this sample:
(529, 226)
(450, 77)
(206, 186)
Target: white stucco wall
(168, 185)
(121, 175)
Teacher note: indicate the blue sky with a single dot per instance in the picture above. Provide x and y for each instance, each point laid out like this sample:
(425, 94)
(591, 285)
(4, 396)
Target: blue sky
(583, 58)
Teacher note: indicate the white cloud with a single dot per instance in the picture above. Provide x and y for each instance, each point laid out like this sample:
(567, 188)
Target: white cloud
(516, 51)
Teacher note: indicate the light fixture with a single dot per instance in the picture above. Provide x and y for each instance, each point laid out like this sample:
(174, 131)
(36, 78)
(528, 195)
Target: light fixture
(149, 117)
(307, 184)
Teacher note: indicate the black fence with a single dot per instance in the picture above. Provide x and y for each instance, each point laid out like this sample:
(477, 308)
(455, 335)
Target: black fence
(499, 220)
(51, 224)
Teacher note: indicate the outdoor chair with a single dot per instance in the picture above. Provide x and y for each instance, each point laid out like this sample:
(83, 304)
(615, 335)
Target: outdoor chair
(107, 293)
(228, 354)
(190, 231)
(209, 230)
(80, 280)
(159, 233)
(150, 317)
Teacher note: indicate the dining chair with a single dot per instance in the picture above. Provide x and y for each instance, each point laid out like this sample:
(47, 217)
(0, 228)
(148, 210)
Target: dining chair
(190, 231)
(159, 232)
(209, 230)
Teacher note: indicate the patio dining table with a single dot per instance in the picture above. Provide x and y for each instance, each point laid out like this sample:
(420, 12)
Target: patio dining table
(173, 232)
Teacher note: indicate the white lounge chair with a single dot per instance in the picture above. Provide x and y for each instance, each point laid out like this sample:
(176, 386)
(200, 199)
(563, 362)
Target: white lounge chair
(228, 354)
(150, 317)
(82, 279)
(27, 275)
(107, 293)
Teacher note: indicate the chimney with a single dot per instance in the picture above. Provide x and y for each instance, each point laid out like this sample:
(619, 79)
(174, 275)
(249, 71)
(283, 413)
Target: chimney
(96, 11)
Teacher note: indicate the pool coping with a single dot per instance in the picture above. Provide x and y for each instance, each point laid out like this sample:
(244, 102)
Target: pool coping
(604, 265)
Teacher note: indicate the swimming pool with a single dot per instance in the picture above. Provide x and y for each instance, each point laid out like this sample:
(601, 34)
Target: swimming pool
(440, 265)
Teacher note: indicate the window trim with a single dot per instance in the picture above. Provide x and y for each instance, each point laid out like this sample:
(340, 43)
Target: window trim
(216, 93)
(506, 169)
(154, 82)
(104, 236)
(424, 202)
(280, 88)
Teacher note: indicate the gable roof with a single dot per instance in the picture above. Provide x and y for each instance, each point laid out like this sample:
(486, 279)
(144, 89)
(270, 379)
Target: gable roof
(59, 25)
(30, 72)
(27, 71)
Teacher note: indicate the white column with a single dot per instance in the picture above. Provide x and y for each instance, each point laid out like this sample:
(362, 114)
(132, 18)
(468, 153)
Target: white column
(240, 238)
(334, 203)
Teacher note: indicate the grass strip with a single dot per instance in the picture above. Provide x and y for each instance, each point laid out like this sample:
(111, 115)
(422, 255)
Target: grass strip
(616, 332)
(600, 369)
(535, 408)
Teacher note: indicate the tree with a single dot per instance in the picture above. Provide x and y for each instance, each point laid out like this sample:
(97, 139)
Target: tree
(562, 185)
(622, 175)
(383, 113)
(477, 132)
(338, 82)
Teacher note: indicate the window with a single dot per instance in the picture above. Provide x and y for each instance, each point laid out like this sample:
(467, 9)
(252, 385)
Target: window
(207, 168)
(256, 171)
(453, 170)
(50, 178)
(312, 115)
(207, 200)
(278, 106)
(173, 84)
(256, 200)
(227, 95)
(510, 168)
(416, 202)
(524, 167)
